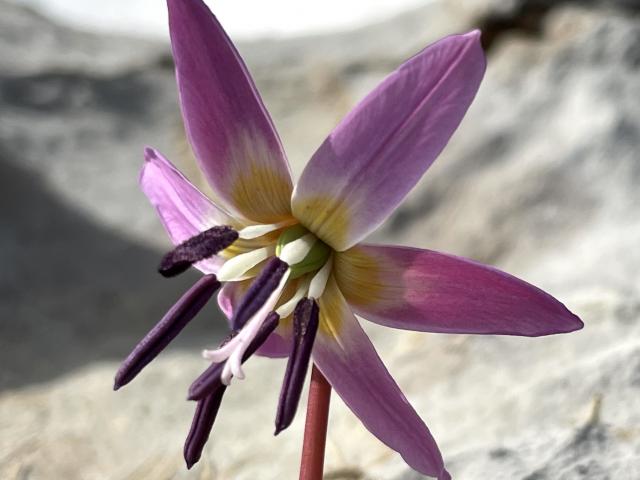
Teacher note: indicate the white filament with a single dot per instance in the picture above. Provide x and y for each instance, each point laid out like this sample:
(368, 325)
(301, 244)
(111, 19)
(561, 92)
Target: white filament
(234, 350)
(319, 280)
(289, 306)
(297, 250)
(255, 231)
(236, 267)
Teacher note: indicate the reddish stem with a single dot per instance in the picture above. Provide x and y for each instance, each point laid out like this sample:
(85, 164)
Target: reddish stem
(315, 428)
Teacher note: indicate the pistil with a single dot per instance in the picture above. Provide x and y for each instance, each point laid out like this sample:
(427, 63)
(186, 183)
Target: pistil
(210, 380)
(233, 352)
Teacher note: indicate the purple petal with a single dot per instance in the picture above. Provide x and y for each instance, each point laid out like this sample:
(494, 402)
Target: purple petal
(230, 295)
(228, 126)
(184, 211)
(345, 356)
(278, 345)
(428, 291)
(380, 150)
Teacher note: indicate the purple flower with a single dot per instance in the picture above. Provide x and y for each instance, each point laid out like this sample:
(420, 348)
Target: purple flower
(294, 269)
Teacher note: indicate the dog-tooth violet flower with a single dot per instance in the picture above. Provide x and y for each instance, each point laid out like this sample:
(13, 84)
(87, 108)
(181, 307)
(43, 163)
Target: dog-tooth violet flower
(290, 258)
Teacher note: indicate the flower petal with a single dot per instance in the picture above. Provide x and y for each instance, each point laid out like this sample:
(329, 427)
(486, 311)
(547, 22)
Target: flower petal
(230, 295)
(184, 211)
(228, 126)
(345, 356)
(381, 149)
(278, 344)
(428, 291)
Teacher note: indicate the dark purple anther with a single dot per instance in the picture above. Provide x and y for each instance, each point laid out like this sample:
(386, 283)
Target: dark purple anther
(166, 329)
(259, 292)
(305, 326)
(209, 381)
(206, 411)
(204, 245)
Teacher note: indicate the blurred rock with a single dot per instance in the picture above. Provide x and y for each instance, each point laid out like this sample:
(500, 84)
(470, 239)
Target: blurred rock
(75, 286)
(30, 43)
(541, 180)
(524, 147)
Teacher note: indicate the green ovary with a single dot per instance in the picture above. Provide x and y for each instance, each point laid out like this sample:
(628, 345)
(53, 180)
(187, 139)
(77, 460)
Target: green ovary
(315, 259)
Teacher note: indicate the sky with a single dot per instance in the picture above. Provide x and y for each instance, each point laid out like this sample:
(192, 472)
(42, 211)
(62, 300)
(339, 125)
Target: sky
(242, 18)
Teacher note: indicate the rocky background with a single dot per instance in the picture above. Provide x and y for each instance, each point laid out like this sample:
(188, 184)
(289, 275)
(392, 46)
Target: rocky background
(542, 179)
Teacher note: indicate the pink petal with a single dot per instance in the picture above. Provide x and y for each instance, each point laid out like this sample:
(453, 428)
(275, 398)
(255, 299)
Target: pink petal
(346, 357)
(184, 211)
(278, 344)
(428, 291)
(230, 295)
(379, 151)
(227, 124)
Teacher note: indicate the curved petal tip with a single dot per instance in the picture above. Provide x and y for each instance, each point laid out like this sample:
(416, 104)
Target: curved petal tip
(149, 153)
(429, 291)
(444, 475)
(474, 34)
(574, 323)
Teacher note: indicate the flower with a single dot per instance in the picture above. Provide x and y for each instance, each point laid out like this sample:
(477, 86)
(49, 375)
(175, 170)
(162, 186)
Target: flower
(290, 258)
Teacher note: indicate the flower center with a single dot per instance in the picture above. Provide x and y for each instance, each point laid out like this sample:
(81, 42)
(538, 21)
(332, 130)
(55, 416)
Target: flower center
(315, 258)
(297, 255)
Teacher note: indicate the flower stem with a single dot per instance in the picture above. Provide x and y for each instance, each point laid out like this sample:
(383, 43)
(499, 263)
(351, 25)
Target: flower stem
(315, 428)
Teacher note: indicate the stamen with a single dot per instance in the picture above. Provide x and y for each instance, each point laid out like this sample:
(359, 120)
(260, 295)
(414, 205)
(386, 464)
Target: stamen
(204, 245)
(203, 419)
(305, 326)
(289, 306)
(319, 281)
(296, 251)
(166, 329)
(259, 292)
(236, 267)
(209, 381)
(255, 231)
